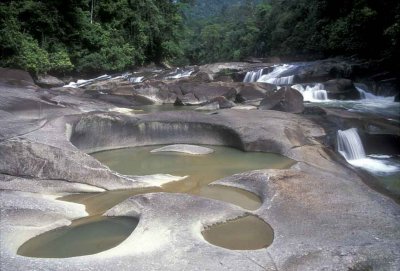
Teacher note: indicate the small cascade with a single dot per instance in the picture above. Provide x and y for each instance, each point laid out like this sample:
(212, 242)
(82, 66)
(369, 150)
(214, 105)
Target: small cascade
(350, 145)
(314, 93)
(352, 149)
(286, 80)
(279, 75)
(253, 76)
(366, 95)
(136, 79)
(180, 73)
(83, 83)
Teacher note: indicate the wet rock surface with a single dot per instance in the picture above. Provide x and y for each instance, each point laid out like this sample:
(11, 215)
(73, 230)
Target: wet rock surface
(285, 99)
(341, 89)
(323, 216)
(48, 81)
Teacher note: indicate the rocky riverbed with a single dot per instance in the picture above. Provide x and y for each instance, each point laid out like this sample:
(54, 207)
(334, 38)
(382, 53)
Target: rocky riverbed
(324, 213)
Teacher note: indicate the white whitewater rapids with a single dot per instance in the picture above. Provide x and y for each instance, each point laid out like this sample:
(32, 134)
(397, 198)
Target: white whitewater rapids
(82, 82)
(311, 93)
(350, 145)
(351, 148)
(180, 73)
(253, 76)
(315, 93)
(274, 77)
(277, 77)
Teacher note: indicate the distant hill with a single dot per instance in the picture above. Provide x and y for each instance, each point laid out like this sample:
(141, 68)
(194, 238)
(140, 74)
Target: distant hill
(202, 9)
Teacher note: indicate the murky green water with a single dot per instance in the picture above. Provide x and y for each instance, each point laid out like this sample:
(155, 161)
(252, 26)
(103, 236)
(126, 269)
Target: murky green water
(95, 233)
(84, 236)
(201, 169)
(246, 233)
(391, 183)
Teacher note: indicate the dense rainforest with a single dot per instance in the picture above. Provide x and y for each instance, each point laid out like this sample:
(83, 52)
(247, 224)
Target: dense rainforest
(114, 35)
(366, 28)
(87, 35)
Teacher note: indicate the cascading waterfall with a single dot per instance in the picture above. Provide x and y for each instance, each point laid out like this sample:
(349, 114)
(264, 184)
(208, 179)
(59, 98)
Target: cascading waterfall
(136, 79)
(365, 95)
(312, 93)
(277, 75)
(350, 145)
(286, 80)
(83, 83)
(253, 76)
(180, 73)
(351, 148)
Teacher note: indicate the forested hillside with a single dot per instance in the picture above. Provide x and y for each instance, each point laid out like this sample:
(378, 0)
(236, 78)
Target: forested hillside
(87, 35)
(365, 28)
(114, 35)
(208, 8)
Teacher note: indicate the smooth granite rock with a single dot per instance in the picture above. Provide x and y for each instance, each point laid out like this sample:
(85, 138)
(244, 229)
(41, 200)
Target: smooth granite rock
(285, 99)
(185, 148)
(323, 215)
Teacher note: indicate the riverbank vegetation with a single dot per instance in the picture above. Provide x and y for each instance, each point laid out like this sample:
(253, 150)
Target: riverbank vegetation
(296, 28)
(87, 35)
(106, 35)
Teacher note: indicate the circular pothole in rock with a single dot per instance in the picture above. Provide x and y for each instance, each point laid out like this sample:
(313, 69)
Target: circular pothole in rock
(245, 233)
(84, 236)
(237, 196)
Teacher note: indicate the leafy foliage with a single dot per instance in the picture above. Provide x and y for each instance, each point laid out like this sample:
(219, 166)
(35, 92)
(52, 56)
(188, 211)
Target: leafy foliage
(366, 28)
(229, 36)
(113, 35)
(110, 35)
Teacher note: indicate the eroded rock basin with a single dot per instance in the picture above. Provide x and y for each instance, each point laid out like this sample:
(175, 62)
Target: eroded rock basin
(245, 233)
(95, 233)
(84, 236)
(200, 170)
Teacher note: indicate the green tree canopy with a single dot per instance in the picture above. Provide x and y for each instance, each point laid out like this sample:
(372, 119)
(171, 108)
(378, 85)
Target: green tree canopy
(87, 35)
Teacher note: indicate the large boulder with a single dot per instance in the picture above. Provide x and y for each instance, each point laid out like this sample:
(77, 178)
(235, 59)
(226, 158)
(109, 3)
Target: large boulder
(16, 77)
(341, 89)
(48, 81)
(205, 92)
(158, 91)
(253, 91)
(187, 99)
(397, 98)
(324, 70)
(192, 93)
(285, 99)
(203, 77)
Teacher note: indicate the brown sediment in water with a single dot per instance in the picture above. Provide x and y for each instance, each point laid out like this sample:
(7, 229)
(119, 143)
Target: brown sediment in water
(98, 203)
(239, 197)
(202, 170)
(245, 233)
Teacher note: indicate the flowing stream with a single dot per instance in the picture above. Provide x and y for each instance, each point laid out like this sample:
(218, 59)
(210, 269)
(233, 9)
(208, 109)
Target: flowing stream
(386, 168)
(280, 75)
(312, 93)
